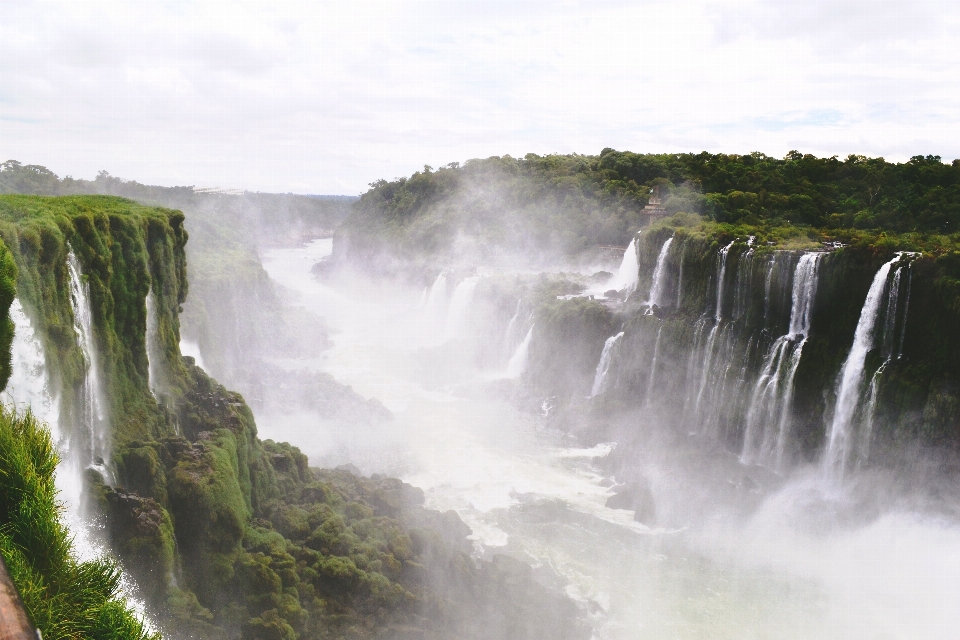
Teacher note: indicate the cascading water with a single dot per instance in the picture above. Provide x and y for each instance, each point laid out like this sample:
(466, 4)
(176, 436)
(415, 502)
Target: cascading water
(458, 313)
(94, 428)
(708, 350)
(768, 418)
(508, 335)
(660, 275)
(29, 384)
(437, 299)
(518, 361)
(721, 280)
(840, 434)
(154, 352)
(628, 276)
(891, 347)
(603, 367)
(653, 369)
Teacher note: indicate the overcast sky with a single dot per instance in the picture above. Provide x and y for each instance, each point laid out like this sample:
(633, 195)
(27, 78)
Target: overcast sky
(325, 97)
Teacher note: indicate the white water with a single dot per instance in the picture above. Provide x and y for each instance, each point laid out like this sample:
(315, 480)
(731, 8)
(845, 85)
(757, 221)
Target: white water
(660, 275)
(518, 361)
(840, 435)
(95, 437)
(437, 299)
(768, 418)
(721, 280)
(459, 312)
(154, 351)
(29, 385)
(192, 349)
(653, 369)
(524, 489)
(628, 275)
(603, 366)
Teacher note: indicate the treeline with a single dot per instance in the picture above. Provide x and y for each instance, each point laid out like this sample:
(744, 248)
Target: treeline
(248, 215)
(568, 203)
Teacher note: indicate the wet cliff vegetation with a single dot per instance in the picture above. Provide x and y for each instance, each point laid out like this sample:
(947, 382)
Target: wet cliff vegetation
(225, 535)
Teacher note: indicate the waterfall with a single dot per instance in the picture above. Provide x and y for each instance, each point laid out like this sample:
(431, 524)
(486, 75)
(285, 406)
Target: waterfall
(768, 418)
(721, 276)
(892, 349)
(93, 417)
(423, 298)
(518, 361)
(850, 382)
(154, 351)
(606, 356)
(29, 385)
(659, 275)
(767, 288)
(680, 281)
(653, 368)
(863, 450)
(744, 284)
(629, 273)
(437, 299)
(458, 312)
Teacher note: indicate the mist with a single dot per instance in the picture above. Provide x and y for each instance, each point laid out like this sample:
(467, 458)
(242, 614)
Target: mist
(608, 460)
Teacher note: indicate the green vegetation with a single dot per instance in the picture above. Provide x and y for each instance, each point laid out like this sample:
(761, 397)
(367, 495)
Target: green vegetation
(227, 536)
(560, 205)
(65, 598)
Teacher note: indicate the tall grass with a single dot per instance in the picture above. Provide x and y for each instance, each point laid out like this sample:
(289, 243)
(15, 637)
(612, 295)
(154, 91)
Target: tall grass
(65, 598)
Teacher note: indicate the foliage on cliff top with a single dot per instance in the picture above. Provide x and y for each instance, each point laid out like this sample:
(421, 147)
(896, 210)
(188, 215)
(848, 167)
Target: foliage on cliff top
(125, 250)
(568, 203)
(65, 598)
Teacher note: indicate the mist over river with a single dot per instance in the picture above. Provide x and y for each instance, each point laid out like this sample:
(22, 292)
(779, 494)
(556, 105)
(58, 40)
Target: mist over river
(867, 562)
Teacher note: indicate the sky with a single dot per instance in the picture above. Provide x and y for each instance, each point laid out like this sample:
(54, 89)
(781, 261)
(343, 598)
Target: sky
(327, 96)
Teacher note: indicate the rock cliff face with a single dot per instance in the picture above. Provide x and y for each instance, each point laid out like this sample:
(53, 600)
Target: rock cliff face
(225, 535)
(757, 348)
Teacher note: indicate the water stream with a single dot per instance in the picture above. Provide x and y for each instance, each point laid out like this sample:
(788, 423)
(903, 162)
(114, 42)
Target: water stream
(535, 493)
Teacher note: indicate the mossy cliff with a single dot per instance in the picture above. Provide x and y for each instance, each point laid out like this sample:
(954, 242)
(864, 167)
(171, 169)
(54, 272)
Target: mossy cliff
(227, 536)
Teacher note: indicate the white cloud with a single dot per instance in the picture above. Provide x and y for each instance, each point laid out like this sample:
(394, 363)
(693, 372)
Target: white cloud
(324, 97)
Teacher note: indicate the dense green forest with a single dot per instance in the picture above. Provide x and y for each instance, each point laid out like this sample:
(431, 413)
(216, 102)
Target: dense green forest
(553, 205)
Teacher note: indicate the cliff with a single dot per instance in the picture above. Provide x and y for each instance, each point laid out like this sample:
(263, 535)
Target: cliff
(225, 536)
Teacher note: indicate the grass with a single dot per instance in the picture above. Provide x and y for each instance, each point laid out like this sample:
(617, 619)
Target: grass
(64, 597)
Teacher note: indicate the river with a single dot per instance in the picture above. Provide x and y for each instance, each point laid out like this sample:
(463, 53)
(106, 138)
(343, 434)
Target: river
(787, 571)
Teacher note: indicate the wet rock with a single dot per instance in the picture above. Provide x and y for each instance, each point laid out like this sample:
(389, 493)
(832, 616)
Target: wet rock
(636, 497)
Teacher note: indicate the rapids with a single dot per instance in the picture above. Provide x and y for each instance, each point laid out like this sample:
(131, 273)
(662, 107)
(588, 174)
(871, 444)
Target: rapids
(802, 564)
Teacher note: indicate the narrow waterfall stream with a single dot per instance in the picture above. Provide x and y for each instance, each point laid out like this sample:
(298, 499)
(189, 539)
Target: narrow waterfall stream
(659, 275)
(90, 445)
(534, 493)
(603, 367)
(518, 361)
(768, 418)
(841, 437)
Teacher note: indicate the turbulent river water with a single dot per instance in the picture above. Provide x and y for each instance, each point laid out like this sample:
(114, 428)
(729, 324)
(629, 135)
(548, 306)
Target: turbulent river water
(801, 565)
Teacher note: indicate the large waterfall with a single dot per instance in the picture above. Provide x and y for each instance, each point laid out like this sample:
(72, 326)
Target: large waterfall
(841, 436)
(768, 418)
(90, 444)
